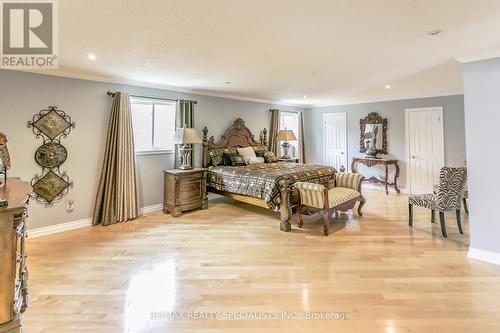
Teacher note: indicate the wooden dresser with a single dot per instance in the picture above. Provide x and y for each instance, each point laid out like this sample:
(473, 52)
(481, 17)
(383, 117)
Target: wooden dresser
(184, 190)
(13, 272)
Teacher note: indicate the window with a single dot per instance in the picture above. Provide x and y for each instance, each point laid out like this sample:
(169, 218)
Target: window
(154, 125)
(290, 120)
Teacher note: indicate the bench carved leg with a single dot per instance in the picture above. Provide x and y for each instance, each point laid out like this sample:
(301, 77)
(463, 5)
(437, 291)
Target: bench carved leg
(326, 222)
(285, 209)
(361, 204)
(299, 215)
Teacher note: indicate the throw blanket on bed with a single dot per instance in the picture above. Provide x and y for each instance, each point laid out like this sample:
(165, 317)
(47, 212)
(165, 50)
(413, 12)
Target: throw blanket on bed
(266, 180)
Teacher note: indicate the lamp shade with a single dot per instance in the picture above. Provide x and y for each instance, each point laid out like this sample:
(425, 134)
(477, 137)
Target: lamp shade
(286, 135)
(185, 135)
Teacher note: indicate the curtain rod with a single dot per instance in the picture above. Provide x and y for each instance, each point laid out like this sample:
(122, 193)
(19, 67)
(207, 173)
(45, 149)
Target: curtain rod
(270, 110)
(112, 94)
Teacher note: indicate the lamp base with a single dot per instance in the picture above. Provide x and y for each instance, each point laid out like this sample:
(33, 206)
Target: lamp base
(286, 146)
(185, 153)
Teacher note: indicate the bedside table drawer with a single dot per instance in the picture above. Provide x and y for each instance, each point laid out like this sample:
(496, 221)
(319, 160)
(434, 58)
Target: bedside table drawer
(192, 186)
(191, 177)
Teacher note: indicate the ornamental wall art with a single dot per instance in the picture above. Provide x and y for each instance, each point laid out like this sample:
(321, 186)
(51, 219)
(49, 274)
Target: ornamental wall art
(51, 125)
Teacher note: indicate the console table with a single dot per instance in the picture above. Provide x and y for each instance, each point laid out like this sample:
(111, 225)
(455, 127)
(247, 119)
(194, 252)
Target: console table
(13, 269)
(369, 162)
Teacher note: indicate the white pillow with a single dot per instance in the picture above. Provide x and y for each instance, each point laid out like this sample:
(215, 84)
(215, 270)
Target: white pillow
(256, 160)
(247, 153)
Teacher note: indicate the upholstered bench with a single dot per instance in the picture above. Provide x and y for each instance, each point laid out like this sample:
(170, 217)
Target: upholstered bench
(341, 197)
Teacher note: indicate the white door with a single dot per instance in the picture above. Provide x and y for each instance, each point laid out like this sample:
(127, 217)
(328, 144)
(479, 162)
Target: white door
(424, 148)
(335, 140)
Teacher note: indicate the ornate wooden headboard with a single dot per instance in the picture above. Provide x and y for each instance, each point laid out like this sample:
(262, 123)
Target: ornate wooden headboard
(238, 135)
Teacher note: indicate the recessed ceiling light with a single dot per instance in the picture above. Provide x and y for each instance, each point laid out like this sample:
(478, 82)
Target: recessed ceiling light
(91, 56)
(305, 96)
(387, 86)
(228, 82)
(435, 32)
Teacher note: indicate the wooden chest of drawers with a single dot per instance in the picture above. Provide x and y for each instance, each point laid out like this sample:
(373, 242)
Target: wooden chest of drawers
(13, 269)
(184, 190)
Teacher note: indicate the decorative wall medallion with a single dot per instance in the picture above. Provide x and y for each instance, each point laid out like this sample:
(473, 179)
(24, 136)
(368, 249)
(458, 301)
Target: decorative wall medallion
(51, 155)
(51, 123)
(52, 184)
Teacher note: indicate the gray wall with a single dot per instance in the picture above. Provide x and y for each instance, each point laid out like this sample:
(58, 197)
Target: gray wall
(454, 129)
(482, 114)
(24, 94)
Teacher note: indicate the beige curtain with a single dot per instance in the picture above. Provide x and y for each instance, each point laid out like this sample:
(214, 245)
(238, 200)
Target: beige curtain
(301, 138)
(184, 117)
(273, 131)
(117, 195)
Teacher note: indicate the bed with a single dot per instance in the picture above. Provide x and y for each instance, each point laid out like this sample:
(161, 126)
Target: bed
(267, 185)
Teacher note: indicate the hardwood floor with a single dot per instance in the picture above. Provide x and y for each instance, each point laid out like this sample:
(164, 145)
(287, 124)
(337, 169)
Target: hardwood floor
(232, 257)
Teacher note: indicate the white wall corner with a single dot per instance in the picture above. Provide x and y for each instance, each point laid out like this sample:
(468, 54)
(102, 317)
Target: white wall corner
(78, 224)
(483, 255)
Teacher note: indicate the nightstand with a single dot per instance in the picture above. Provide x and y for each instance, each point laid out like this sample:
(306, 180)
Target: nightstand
(184, 190)
(291, 160)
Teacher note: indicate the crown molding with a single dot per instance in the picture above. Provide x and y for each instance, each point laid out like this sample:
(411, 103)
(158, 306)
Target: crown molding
(355, 102)
(144, 84)
(478, 57)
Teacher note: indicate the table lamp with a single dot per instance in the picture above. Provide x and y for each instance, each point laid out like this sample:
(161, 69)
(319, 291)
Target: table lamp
(285, 135)
(184, 137)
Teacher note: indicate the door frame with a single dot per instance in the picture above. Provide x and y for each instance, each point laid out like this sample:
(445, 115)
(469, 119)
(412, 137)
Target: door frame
(439, 110)
(325, 115)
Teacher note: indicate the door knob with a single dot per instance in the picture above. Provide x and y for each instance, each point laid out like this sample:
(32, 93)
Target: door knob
(413, 156)
(342, 153)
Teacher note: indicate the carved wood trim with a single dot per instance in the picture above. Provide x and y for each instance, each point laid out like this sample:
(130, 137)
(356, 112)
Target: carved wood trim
(373, 118)
(238, 135)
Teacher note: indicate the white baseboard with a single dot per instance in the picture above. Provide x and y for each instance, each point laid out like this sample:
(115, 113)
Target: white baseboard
(54, 229)
(483, 255)
(67, 226)
(151, 209)
(378, 187)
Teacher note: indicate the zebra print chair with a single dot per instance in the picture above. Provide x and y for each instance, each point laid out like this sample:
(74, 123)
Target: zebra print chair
(447, 197)
(465, 192)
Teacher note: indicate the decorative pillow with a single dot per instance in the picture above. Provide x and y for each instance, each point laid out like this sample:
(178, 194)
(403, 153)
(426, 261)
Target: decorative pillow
(226, 158)
(216, 155)
(247, 153)
(259, 148)
(270, 157)
(230, 150)
(256, 160)
(259, 153)
(237, 160)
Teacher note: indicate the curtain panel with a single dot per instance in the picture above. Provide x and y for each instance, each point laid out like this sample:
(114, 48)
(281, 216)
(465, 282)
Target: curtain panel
(301, 138)
(184, 117)
(117, 198)
(273, 131)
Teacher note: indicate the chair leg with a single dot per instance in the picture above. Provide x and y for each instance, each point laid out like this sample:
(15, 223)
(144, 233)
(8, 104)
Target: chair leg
(299, 215)
(433, 216)
(465, 205)
(410, 215)
(326, 223)
(459, 222)
(443, 226)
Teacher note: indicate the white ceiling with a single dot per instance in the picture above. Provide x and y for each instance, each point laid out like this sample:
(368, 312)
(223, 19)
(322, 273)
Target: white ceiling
(333, 52)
